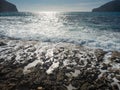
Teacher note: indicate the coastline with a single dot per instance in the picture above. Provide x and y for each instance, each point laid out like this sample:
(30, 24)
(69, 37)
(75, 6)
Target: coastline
(35, 65)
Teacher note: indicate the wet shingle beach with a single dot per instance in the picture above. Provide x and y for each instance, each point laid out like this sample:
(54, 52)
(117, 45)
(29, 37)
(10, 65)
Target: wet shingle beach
(35, 65)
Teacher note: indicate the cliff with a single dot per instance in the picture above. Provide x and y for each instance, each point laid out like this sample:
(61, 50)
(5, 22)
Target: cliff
(6, 6)
(113, 6)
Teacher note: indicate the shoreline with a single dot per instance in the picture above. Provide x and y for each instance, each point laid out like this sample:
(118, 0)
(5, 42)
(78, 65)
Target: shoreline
(35, 65)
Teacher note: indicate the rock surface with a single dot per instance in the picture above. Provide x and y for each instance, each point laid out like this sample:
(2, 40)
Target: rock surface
(113, 6)
(6, 6)
(32, 65)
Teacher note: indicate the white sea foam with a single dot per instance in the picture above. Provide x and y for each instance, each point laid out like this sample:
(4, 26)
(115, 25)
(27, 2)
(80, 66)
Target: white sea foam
(30, 65)
(107, 57)
(52, 67)
(76, 73)
(116, 82)
(59, 27)
(70, 87)
(57, 56)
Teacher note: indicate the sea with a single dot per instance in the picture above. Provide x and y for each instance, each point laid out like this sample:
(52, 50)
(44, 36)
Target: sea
(90, 29)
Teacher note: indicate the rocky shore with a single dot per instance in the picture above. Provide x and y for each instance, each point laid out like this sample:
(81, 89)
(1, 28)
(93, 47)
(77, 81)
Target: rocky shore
(33, 65)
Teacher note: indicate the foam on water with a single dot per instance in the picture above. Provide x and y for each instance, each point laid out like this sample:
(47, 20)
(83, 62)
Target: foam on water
(97, 30)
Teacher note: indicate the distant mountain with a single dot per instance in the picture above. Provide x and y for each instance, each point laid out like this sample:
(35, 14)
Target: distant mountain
(113, 6)
(6, 6)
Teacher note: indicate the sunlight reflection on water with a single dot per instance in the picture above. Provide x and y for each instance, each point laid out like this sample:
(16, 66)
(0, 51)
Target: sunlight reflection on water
(81, 28)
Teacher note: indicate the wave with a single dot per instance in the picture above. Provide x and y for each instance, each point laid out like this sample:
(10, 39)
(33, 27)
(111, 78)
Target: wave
(97, 30)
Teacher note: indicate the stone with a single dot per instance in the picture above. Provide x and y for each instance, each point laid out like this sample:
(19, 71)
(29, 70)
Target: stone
(105, 66)
(61, 88)
(99, 54)
(39, 88)
(2, 44)
(115, 56)
(6, 70)
(66, 76)
(115, 87)
(92, 87)
(85, 86)
(118, 77)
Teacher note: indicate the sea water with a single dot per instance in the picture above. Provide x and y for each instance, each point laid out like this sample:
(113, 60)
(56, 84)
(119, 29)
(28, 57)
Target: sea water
(95, 30)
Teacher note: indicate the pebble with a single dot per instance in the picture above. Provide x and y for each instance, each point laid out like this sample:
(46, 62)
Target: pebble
(39, 88)
(57, 67)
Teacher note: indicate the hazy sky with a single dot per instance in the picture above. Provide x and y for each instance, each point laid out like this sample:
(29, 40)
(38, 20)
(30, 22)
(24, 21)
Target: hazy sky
(57, 5)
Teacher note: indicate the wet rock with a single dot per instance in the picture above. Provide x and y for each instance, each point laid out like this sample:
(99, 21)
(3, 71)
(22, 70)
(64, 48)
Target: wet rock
(91, 87)
(55, 51)
(9, 86)
(118, 77)
(104, 67)
(115, 87)
(61, 88)
(117, 60)
(60, 76)
(19, 73)
(85, 86)
(52, 77)
(6, 70)
(115, 56)
(40, 88)
(2, 44)
(31, 49)
(61, 49)
(76, 82)
(100, 54)
(1, 60)
(72, 67)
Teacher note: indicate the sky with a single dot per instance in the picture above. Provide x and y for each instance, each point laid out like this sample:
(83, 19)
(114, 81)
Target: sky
(57, 5)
